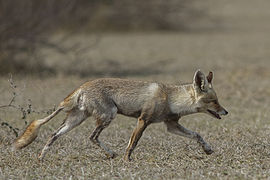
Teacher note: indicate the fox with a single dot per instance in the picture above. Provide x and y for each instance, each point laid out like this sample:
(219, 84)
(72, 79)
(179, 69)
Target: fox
(149, 102)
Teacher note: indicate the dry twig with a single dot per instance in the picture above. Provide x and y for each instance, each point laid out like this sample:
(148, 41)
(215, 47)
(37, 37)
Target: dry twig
(24, 110)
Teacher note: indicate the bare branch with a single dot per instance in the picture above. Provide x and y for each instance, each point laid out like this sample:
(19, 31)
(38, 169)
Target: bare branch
(24, 110)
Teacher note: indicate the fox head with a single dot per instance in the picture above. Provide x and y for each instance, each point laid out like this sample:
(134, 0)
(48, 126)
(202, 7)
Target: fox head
(205, 96)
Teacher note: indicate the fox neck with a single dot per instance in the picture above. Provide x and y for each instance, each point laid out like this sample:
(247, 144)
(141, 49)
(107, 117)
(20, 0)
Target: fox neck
(182, 100)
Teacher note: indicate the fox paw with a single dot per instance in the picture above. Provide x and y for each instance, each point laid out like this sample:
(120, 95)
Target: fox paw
(127, 158)
(208, 151)
(111, 154)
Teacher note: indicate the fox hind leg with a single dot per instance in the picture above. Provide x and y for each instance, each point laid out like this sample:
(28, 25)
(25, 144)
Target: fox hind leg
(73, 119)
(103, 121)
(94, 138)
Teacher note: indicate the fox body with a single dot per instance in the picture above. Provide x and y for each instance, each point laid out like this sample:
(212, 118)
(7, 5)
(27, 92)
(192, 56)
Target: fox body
(149, 102)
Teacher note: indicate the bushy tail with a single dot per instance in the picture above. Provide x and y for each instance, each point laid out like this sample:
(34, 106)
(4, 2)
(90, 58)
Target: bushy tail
(32, 130)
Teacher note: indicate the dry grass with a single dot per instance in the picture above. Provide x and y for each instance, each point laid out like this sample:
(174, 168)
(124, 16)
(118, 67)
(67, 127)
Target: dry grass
(240, 61)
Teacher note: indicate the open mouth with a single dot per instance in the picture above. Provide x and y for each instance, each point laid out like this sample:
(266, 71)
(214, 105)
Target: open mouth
(216, 115)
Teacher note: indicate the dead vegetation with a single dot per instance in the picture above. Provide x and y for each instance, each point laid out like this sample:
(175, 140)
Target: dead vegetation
(26, 26)
(24, 110)
(240, 140)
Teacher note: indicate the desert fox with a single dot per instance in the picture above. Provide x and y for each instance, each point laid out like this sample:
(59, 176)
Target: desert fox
(150, 102)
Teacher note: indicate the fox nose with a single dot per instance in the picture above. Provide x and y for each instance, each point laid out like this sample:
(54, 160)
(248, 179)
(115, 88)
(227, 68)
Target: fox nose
(223, 112)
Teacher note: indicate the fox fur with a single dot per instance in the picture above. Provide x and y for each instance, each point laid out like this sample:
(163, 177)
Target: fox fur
(149, 102)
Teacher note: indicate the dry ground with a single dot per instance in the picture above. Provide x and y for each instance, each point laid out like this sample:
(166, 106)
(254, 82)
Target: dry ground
(241, 65)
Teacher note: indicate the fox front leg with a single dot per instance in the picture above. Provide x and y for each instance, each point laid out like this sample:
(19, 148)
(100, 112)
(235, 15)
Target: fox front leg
(135, 137)
(175, 128)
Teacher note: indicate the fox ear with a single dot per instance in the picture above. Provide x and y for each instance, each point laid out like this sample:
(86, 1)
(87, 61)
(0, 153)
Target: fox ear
(210, 77)
(200, 82)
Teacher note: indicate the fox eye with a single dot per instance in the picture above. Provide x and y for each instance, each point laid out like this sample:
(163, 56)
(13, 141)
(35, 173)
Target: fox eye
(206, 100)
(210, 101)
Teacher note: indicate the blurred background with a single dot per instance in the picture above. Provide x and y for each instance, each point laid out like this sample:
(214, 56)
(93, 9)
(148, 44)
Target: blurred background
(128, 38)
